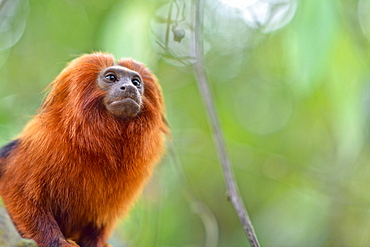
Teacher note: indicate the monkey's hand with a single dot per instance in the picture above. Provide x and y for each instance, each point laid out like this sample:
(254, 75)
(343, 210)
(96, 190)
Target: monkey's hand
(70, 243)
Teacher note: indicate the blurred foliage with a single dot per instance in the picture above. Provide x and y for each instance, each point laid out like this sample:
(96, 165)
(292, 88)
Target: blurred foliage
(291, 80)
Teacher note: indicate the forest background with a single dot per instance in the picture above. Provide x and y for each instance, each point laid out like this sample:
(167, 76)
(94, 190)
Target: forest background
(290, 81)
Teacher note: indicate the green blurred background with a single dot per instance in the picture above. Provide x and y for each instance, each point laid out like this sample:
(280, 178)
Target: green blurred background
(291, 84)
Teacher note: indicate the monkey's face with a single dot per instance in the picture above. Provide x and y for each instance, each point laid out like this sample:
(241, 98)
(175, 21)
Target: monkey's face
(124, 89)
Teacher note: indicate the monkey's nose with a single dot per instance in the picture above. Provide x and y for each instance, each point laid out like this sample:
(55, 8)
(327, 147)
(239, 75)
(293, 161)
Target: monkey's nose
(128, 89)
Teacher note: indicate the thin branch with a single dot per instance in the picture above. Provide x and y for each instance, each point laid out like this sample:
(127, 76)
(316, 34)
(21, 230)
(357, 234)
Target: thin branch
(232, 189)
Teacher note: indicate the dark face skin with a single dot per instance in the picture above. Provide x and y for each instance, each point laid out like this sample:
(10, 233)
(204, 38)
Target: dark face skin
(124, 89)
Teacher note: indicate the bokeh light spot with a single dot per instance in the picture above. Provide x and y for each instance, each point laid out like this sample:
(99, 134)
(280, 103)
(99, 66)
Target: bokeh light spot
(241, 4)
(270, 15)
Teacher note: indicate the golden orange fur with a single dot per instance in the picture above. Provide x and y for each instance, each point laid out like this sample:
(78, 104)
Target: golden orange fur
(76, 168)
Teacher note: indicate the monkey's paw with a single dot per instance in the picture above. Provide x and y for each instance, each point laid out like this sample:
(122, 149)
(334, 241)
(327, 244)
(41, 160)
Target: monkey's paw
(70, 243)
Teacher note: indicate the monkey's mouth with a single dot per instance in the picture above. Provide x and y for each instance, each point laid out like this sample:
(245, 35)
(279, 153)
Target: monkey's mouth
(124, 101)
(127, 107)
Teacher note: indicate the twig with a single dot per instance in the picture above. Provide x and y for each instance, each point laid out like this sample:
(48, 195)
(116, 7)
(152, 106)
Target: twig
(232, 189)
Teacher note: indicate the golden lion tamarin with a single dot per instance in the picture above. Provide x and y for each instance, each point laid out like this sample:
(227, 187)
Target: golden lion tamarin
(79, 164)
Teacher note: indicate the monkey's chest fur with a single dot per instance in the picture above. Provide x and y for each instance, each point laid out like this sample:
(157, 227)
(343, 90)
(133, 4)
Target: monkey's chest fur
(80, 187)
(95, 196)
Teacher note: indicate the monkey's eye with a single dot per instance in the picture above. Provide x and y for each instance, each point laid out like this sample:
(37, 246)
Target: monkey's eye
(111, 77)
(136, 82)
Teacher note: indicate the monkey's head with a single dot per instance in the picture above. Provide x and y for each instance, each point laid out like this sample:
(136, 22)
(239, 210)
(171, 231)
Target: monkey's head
(96, 88)
(124, 90)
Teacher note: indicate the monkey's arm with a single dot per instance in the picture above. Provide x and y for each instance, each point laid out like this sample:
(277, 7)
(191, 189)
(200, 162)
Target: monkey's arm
(38, 223)
(8, 232)
(28, 217)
